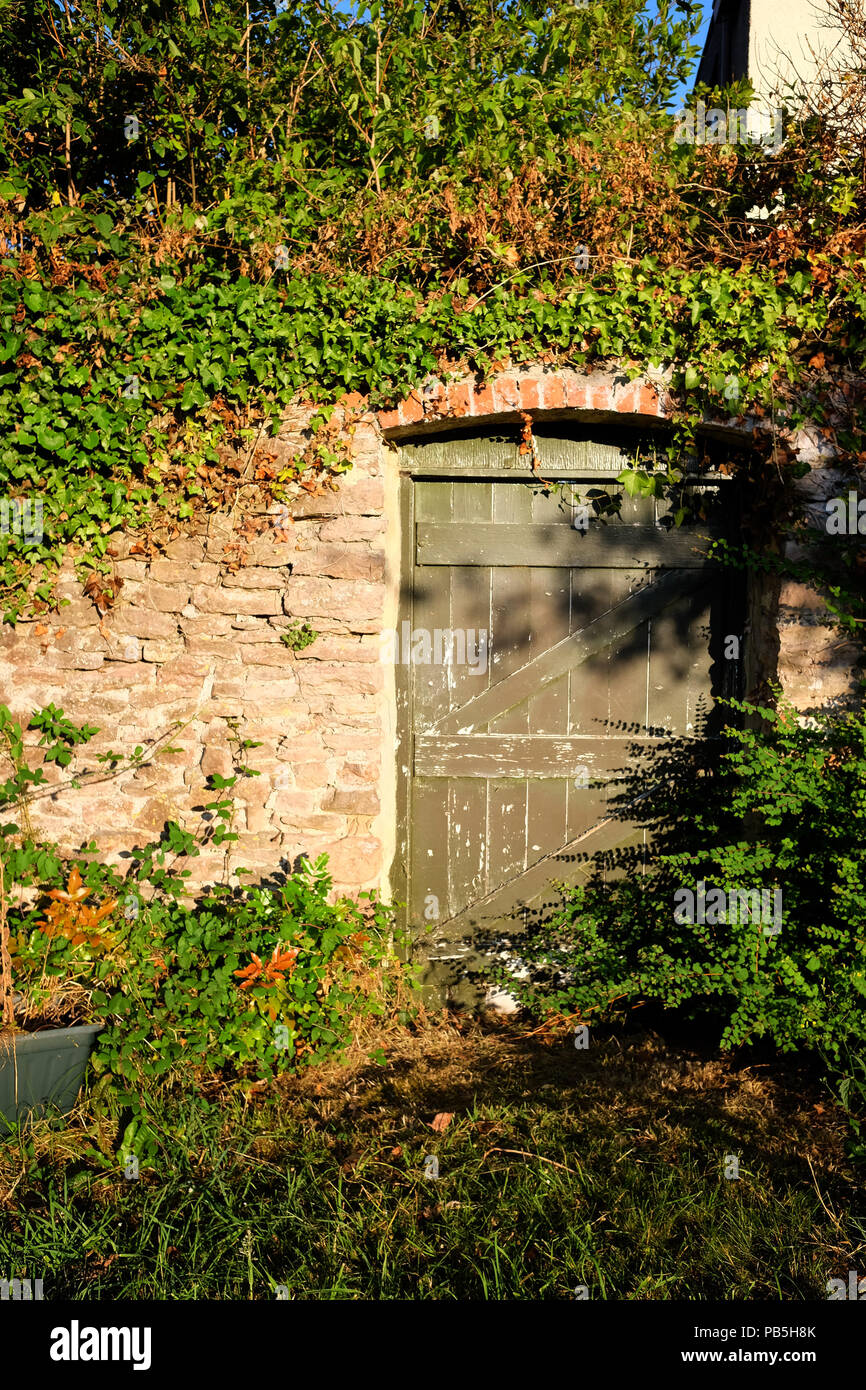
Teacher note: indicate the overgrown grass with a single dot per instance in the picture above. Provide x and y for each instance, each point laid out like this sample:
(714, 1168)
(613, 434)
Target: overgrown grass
(558, 1168)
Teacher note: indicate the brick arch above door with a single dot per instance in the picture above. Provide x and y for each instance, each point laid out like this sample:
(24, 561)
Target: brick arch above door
(544, 393)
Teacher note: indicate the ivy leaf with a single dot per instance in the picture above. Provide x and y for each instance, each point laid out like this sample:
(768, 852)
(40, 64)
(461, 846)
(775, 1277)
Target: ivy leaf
(49, 439)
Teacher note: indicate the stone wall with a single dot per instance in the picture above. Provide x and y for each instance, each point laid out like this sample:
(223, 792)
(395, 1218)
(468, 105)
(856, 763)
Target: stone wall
(816, 665)
(194, 638)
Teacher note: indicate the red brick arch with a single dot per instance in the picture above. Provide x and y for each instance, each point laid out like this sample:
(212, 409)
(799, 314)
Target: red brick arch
(596, 395)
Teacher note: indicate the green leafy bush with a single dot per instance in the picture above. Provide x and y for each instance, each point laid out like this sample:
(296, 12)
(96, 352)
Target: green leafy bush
(247, 981)
(186, 1000)
(784, 812)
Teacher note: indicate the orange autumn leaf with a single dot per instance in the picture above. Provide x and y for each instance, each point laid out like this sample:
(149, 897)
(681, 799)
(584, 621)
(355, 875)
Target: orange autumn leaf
(74, 890)
(250, 970)
(280, 962)
(70, 917)
(271, 973)
(250, 973)
(96, 916)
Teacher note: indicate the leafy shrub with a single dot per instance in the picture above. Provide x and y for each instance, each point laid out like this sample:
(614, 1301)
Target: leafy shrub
(252, 980)
(260, 978)
(783, 812)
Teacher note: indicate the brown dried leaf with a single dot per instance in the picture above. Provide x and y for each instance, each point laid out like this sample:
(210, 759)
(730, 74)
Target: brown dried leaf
(102, 594)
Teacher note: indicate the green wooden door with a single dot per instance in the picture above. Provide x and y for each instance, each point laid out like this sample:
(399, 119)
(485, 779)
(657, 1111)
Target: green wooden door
(597, 642)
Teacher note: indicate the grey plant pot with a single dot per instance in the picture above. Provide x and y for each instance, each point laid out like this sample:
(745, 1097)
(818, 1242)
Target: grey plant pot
(42, 1071)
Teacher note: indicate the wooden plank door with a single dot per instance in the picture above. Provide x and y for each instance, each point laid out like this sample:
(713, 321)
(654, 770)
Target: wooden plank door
(596, 642)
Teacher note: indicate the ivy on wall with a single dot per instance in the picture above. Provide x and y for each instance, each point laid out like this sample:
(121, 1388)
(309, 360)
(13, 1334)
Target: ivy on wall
(207, 216)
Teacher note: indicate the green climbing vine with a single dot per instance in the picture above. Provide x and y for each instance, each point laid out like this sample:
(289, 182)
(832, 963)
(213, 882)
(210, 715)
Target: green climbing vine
(190, 242)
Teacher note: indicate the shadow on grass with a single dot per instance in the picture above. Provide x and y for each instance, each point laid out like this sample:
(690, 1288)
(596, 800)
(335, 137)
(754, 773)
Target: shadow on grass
(559, 1169)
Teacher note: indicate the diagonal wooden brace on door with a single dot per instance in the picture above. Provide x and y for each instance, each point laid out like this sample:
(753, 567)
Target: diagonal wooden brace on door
(523, 887)
(578, 647)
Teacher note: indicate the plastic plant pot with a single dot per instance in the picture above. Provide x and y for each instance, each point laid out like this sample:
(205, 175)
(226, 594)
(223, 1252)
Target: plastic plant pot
(42, 1072)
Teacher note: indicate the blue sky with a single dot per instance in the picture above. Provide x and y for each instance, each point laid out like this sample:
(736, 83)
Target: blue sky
(707, 7)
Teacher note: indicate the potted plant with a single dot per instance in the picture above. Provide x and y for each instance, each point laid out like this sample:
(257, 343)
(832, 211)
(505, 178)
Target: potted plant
(45, 1036)
(44, 1049)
